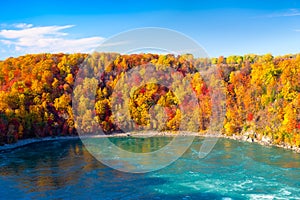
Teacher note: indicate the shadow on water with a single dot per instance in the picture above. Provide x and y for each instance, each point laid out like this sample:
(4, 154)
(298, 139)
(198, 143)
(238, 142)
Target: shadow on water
(63, 168)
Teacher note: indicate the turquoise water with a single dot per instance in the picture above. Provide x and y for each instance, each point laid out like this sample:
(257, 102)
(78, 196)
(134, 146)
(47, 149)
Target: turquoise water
(233, 170)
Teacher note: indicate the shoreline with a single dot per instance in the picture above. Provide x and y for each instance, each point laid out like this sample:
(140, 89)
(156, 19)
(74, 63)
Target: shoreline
(264, 142)
(241, 138)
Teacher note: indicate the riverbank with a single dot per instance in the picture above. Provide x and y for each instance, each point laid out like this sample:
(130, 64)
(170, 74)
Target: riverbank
(243, 138)
(265, 141)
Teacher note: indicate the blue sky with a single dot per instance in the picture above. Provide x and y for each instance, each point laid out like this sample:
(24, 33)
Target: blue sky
(222, 27)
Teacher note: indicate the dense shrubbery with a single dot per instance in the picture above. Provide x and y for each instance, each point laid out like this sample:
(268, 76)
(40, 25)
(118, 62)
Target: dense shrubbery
(263, 94)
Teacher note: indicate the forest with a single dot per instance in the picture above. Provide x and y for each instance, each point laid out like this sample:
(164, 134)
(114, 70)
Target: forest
(36, 92)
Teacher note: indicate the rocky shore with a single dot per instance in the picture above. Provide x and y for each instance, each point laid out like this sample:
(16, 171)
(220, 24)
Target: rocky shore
(265, 141)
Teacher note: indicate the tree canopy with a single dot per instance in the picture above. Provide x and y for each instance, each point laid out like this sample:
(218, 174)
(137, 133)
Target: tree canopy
(262, 94)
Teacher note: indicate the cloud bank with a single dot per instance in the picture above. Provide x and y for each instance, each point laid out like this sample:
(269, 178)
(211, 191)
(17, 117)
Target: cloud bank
(26, 38)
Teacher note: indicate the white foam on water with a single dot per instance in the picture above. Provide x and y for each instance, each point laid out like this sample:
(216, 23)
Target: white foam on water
(261, 196)
(283, 191)
(242, 185)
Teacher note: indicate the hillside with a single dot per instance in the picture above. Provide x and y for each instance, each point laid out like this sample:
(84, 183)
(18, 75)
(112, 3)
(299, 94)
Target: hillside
(262, 95)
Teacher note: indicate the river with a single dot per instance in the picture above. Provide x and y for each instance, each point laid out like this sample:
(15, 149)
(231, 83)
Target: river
(233, 170)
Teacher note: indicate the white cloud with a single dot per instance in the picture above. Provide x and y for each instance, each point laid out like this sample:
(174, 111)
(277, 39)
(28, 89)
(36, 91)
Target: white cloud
(25, 38)
(22, 25)
(289, 13)
(283, 13)
(6, 42)
(34, 32)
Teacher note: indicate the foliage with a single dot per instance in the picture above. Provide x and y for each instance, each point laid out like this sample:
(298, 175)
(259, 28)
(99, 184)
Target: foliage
(262, 94)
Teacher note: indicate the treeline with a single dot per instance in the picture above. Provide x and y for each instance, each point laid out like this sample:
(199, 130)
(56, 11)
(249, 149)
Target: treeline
(35, 95)
(262, 94)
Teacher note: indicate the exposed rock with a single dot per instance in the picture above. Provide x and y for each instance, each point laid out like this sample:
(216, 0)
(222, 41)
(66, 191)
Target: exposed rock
(249, 139)
(266, 140)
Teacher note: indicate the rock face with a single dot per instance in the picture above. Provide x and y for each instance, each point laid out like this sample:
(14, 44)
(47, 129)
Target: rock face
(249, 136)
(266, 141)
